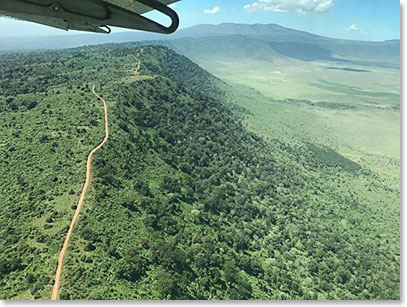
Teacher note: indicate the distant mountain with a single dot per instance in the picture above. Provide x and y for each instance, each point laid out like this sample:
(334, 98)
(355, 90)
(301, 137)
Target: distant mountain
(263, 41)
(268, 32)
(301, 45)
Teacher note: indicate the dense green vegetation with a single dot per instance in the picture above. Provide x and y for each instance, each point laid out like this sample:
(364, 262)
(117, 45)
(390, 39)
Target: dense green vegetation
(186, 202)
(331, 158)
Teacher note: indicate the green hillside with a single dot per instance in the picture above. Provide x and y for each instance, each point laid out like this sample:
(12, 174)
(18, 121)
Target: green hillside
(190, 199)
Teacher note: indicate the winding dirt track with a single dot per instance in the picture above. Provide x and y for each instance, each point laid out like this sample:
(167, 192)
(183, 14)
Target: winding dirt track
(137, 68)
(138, 62)
(78, 209)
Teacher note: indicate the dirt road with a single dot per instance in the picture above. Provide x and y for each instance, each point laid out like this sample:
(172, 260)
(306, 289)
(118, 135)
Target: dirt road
(138, 62)
(137, 68)
(78, 209)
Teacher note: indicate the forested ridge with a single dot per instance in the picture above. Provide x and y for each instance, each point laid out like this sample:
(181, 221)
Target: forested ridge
(185, 202)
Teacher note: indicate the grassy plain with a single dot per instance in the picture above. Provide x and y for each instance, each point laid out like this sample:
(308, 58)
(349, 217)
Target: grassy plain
(352, 108)
(343, 82)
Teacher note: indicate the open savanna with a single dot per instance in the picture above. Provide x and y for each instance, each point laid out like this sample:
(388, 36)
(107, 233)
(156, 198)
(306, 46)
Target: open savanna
(352, 108)
(341, 82)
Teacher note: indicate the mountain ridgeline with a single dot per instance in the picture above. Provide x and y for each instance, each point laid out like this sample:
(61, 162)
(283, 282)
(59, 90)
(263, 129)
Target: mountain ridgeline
(185, 203)
(299, 44)
(236, 40)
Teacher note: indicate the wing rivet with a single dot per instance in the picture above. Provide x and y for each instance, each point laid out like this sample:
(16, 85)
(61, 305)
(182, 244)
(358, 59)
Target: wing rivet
(56, 8)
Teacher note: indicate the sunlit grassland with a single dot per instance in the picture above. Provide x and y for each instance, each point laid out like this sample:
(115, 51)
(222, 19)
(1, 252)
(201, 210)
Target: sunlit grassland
(315, 81)
(352, 108)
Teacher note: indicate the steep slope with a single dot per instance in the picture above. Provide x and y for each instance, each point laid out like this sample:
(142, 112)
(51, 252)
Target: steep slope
(221, 48)
(186, 202)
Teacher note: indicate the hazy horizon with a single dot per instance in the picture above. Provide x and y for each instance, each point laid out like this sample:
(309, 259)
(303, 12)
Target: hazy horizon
(378, 21)
(116, 30)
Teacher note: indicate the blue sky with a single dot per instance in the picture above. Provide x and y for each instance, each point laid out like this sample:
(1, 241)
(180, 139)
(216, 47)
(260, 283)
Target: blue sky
(353, 19)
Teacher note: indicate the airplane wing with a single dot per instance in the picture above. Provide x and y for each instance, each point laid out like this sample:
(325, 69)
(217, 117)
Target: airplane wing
(92, 15)
(138, 7)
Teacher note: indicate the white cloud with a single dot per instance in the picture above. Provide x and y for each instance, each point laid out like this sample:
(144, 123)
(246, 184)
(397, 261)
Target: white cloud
(353, 28)
(300, 7)
(173, 5)
(212, 11)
